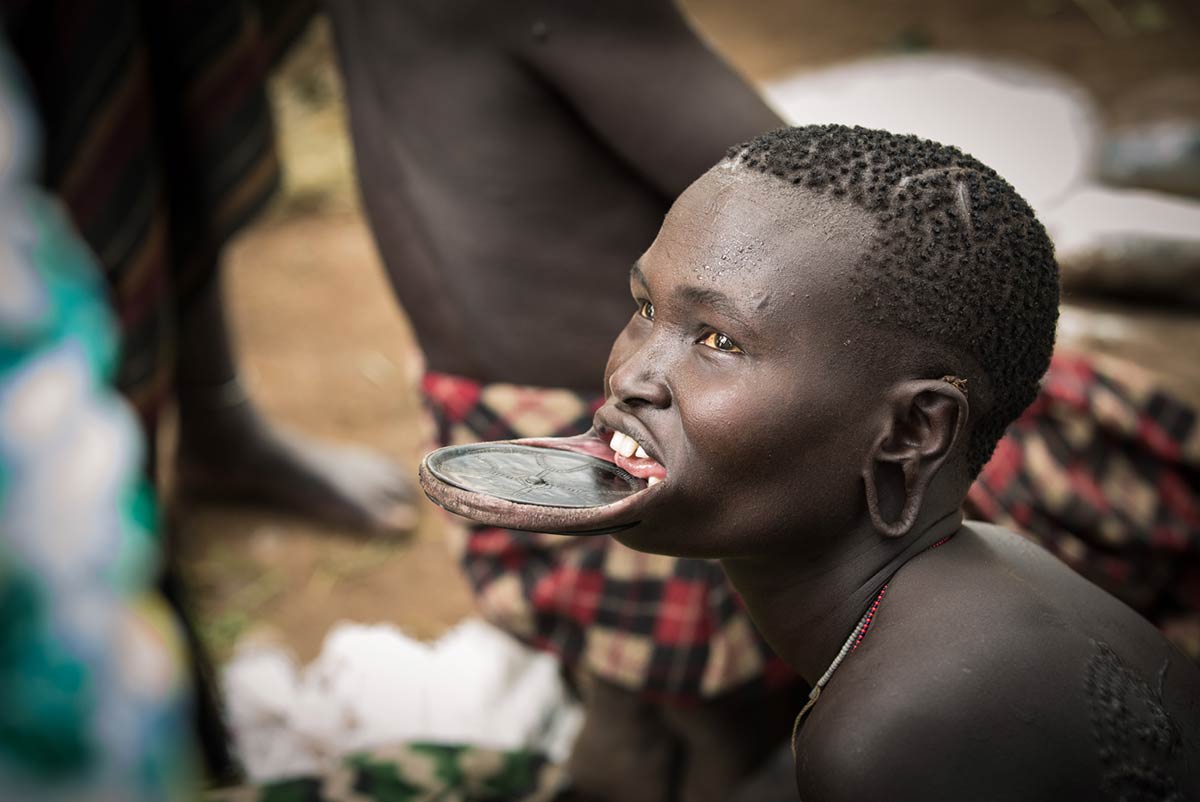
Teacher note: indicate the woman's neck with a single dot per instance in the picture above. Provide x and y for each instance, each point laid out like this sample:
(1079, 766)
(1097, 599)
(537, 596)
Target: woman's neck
(806, 609)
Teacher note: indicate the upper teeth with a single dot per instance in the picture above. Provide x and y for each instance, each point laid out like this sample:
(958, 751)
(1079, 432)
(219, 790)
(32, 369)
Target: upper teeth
(626, 446)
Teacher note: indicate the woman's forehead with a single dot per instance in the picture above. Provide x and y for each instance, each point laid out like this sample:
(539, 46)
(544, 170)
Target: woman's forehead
(743, 228)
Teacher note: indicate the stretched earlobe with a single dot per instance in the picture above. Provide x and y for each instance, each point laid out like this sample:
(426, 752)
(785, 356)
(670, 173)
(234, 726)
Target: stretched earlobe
(914, 493)
(925, 421)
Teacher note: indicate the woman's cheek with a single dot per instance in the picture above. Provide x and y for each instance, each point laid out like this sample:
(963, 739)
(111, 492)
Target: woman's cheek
(725, 417)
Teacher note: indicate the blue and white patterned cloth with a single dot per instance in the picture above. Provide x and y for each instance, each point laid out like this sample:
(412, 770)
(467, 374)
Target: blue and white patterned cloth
(93, 698)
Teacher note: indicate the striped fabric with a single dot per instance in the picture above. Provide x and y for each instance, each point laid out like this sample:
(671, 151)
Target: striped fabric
(158, 139)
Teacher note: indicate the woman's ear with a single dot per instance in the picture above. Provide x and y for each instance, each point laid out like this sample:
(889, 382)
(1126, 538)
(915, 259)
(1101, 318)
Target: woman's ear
(923, 423)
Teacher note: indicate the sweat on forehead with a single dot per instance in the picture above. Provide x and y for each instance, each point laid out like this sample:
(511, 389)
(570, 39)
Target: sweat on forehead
(739, 234)
(761, 204)
(956, 257)
(738, 217)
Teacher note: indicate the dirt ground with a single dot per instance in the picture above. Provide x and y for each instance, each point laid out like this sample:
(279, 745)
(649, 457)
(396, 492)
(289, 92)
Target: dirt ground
(326, 349)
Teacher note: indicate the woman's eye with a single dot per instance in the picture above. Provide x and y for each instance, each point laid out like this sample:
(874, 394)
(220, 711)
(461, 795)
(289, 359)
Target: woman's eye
(720, 342)
(646, 310)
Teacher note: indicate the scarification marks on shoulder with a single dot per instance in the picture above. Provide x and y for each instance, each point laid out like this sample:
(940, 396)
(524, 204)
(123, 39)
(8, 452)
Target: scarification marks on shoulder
(1136, 738)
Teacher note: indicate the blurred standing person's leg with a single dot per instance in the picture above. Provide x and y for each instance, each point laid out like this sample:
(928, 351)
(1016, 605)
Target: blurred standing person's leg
(514, 161)
(159, 141)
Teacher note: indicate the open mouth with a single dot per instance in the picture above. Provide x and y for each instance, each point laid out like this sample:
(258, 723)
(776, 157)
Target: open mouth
(609, 445)
(645, 484)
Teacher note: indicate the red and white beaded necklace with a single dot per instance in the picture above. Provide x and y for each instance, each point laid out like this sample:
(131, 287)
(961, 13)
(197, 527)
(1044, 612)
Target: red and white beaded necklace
(856, 636)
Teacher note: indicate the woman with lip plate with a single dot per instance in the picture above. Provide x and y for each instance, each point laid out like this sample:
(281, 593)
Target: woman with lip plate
(507, 220)
(833, 328)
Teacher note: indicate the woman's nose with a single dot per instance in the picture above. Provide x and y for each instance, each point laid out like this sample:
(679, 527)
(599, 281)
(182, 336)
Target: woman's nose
(637, 380)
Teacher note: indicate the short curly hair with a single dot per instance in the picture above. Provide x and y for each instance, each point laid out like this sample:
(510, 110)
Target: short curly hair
(959, 257)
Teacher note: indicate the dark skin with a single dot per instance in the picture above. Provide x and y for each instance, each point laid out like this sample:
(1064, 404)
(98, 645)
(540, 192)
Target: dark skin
(748, 374)
(514, 158)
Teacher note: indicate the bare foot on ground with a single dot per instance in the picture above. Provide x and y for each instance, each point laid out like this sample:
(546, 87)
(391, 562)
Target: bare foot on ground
(230, 453)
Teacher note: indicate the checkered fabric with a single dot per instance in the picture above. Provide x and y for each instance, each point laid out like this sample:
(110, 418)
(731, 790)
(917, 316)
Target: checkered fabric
(673, 629)
(1103, 469)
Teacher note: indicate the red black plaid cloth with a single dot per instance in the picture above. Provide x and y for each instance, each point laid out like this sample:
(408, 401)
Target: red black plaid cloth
(1101, 469)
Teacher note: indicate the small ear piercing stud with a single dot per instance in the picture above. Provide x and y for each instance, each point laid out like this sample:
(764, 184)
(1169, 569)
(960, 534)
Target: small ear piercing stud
(958, 383)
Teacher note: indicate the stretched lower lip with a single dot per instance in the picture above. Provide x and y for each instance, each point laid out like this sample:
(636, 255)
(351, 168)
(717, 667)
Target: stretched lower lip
(592, 442)
(639, 467)
(595, 443)
(492, 511)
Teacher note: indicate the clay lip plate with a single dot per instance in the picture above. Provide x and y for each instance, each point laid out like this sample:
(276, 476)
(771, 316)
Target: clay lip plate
(536, 485)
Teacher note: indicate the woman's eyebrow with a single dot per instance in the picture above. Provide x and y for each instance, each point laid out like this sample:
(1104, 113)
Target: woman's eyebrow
(713, 299)
(699, 296)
